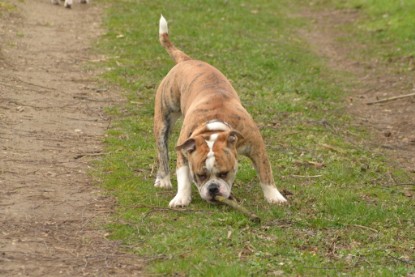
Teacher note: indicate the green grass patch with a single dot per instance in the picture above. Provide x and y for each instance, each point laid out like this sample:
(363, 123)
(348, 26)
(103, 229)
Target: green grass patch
(345, 216)
(6, 8)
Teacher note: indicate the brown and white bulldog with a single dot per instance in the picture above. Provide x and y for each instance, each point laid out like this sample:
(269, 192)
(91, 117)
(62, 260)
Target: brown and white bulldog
(216, 128)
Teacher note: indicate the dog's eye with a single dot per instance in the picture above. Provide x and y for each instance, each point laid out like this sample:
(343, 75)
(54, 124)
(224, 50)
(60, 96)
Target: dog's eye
(201, 177)
(223, 175)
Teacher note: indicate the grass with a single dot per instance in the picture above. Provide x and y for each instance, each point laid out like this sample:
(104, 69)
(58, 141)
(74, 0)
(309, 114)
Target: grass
(346, 215)
(6, 8)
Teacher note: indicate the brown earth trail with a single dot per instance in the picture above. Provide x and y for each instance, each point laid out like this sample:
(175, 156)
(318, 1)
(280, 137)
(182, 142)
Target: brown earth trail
(392, 123)
(51, 127)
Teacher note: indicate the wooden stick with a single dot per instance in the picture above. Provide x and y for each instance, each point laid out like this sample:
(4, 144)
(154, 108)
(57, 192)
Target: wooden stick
(390, 99)
(253, 217)
(305, 176)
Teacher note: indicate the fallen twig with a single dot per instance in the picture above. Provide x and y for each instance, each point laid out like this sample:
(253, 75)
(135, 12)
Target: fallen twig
(81, 97)
(406, 261)
(332, 148)
(253, 217)
(366, 228)
(390, 99)
(33, 84)
(89, 155)
(305, 176)
(405, 184)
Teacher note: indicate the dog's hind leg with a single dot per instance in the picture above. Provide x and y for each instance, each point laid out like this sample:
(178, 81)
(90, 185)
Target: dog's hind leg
(164, 119)
(161, 132)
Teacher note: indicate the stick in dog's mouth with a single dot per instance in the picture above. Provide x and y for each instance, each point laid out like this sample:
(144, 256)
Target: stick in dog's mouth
(253, 217)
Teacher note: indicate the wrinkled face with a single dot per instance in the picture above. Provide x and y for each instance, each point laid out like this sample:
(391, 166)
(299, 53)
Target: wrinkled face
(213, 163)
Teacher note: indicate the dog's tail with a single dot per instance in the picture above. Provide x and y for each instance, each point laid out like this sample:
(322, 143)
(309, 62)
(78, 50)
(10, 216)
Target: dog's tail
(177, 55)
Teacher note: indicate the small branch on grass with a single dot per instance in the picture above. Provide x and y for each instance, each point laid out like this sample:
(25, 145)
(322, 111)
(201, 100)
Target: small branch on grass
(405, 261)
(323, 268)
(304, 176)
(399, 184)
(405, 184)
(365, 227)
(390, 99)
(158, 258)
(332, 148)
(253, 217)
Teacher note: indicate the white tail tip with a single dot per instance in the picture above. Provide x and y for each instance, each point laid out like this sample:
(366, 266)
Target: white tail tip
(163, 29)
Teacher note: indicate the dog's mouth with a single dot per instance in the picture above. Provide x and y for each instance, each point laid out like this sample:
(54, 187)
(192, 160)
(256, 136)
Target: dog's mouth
(211, 197)
(215, 200)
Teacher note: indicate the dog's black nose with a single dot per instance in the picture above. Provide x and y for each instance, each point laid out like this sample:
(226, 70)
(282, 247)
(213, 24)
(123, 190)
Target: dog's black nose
(213, 189)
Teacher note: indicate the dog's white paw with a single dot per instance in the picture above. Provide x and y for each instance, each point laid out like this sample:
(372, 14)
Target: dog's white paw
(272, 195)
(276, 199)
(164, 183)
(180, 200)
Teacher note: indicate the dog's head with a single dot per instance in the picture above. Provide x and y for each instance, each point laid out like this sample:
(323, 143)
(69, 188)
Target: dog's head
(212, 162)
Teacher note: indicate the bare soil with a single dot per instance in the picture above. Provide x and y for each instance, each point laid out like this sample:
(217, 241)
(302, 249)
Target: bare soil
(392, 124)
(51, 127)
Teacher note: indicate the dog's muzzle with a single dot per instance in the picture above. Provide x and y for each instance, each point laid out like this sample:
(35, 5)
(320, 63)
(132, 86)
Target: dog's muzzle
(215, 187)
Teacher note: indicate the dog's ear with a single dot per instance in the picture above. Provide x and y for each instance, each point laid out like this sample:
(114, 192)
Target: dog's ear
(233, 137)
(188, 147)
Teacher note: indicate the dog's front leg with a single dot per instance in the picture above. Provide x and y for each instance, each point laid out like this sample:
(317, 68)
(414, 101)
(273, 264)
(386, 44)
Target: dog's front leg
(184, 184)
(263, 167)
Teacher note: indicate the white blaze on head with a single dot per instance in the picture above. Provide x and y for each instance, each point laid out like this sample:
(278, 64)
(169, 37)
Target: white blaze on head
(210, 161)
(217, 126)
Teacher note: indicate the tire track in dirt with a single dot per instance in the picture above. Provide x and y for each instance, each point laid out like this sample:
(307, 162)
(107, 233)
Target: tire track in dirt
(51, 127)
(392, 124)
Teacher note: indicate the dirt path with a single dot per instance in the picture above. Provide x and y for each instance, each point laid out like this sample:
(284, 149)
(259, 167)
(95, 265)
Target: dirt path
(392, 123)
(51, 125)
